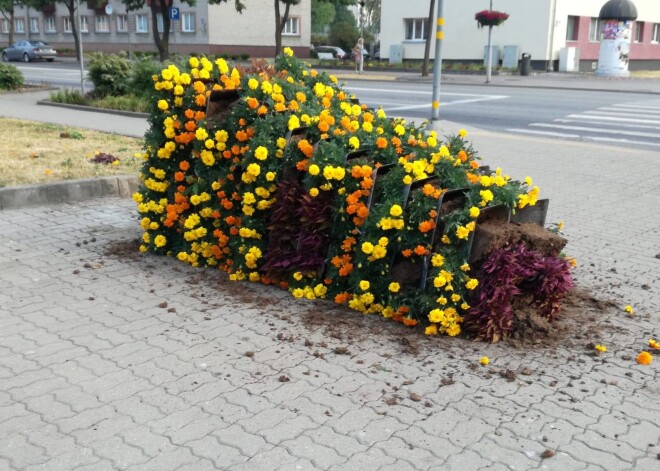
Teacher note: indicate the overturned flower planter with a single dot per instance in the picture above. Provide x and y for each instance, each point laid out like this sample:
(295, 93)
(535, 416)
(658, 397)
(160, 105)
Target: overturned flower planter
(278, 176)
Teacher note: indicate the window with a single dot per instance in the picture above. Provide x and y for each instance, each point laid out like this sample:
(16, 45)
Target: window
(656, 33)
(19, 25)
(141, 24)
(5, 26)
(34, 25)
(49, 24)
(595, 30)
(188, 22)
(639, 31)
(292, 27)
(159, 21)
(83, 25)
(416, 29)
(66, 24)
(122, 23)
(572, 28)
(102, 24)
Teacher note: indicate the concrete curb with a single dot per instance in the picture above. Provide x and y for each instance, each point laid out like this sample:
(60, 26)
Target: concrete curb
(130, 114)
(70, 191)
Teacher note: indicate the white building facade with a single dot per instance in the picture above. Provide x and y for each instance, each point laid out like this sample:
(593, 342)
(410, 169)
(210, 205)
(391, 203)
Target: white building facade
(203, 28)
(542, 28)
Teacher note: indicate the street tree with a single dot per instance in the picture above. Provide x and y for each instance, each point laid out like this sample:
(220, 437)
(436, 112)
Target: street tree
(280, 20)
(323, 13)
(162, 8)
(427, 45)
(7, 10)
(343, 31)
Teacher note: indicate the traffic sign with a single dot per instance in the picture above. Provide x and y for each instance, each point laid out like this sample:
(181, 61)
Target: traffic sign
(174, 13)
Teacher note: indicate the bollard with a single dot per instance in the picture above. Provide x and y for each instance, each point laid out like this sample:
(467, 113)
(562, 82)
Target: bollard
(525, 64)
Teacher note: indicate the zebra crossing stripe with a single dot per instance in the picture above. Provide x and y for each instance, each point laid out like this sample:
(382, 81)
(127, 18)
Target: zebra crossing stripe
(597, 130)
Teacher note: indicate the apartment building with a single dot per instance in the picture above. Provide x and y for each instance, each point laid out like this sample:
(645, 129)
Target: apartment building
(546, 29)
(202, 28)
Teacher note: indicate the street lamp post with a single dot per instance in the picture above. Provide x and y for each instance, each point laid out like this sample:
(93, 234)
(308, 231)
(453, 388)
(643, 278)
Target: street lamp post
(80, 47)
(489, 52)
(437, 67)
(362, 4)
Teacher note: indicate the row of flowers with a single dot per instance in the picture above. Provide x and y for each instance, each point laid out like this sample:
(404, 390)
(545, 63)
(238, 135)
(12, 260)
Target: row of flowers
(295, 183)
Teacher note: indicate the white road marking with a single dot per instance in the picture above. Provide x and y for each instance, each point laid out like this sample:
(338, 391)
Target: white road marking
(611, 118)
(628, 111)
(596, 130)
(576, 136)
(600, 123)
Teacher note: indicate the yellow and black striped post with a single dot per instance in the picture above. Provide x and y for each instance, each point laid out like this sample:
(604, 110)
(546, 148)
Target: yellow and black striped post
(437, 64)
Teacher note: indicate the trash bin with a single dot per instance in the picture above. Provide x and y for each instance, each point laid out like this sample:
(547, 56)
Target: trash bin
(525, 64)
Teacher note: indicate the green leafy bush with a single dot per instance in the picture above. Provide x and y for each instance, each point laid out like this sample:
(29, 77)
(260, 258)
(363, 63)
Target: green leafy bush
(68, 96)
(141, 73)
(10, 77)
(110, 74)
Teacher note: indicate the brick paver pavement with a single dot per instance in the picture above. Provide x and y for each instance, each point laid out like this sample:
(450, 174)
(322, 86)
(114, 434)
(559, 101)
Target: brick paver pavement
(97, 373)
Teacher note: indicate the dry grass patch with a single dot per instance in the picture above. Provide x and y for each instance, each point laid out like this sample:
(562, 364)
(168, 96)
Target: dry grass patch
(32, 152)
(645, 73)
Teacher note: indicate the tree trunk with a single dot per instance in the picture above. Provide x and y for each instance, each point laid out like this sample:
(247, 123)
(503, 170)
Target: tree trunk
(74, 27)
(427, 46)
(162, 40)
(10, 38)
(280, 23)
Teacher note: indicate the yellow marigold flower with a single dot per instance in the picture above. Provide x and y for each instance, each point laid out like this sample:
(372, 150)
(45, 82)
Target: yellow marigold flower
(367, 247)
(183, 256)
(354, 142)
(486, 195)
(485, 180)
(379, 252)
(294, 123)
(441, 300)
(160, 241)
(261, 153)
(298, 293)
(201, 134)
(288, 51)
(383, 241)
(364, 285)
(465, 267)
(654, 344)
(629, 309)
(253, 84)
(462, 232)
(453, 330)
(314, 169)
(644, 358)
(270, 176)
(600, 348)
(437, 260)
(436, 316)
(163, 105)
(474, 212)
(484, 361)
(137, 197)
(254, 169)
(462, 132)
(394, 287)
(431, 330)
(314, 192)
(407, 180)
(396, 210)
(472, 283)
(455, 297)
(193, 62)
(400, 130)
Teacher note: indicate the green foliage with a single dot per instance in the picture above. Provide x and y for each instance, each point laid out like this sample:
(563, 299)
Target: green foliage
(139, 104)
(344, 35)
(68, 96)
(10, 77)
(323, 13)
(142, 70)
(110, 73)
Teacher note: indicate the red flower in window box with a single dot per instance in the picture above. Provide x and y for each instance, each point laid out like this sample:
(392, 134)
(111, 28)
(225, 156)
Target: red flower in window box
(490, 18)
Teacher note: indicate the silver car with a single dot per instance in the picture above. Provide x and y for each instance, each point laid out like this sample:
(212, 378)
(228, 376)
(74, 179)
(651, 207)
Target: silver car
(27, 51)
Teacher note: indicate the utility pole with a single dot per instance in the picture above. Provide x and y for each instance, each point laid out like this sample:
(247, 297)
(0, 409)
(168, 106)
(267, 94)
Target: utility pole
(362, 3)
(437, 67)
(489, 52)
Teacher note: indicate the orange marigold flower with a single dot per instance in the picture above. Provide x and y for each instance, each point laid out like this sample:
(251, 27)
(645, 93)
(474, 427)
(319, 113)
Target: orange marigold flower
(262, 110)
(341, 298)
(462, 155)
(184, 165)
(426, 226)
(199, 115)
(474, 164)
(241, 136)
(381, 143)
(242, 122)
(190, 114)
(644, 358)
(190, 126)
(200, 100)
(420, 250)
(406, 253)
(252, 103)
(179, 176)
(409, 322)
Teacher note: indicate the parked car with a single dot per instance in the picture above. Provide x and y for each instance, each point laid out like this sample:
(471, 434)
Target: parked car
(27, 51)
(337, 52)
(377, 55)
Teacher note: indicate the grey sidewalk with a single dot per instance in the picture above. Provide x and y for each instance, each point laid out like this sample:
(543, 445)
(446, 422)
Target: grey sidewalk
(98, 373)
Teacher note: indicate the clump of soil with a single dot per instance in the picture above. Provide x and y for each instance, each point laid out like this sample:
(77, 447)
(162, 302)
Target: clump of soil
(493, 235)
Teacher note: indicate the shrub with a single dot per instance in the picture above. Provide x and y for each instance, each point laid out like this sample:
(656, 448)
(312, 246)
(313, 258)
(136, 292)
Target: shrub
(110, 73)
(68, 96)
(10, 77)
(141, 73)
